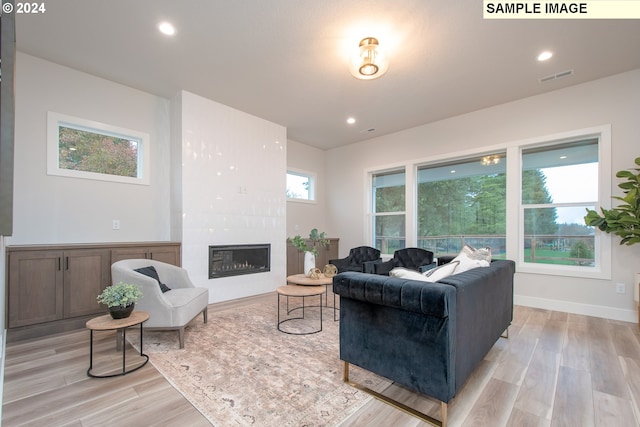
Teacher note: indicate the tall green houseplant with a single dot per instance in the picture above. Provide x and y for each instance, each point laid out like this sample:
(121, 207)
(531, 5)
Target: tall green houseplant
(623, 220)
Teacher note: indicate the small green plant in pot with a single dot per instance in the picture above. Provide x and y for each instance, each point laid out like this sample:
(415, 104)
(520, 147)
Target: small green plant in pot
(624, 219)
(120, 298)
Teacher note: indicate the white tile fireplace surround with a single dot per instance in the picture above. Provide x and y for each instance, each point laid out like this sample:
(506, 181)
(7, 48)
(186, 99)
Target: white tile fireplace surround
(229, 188)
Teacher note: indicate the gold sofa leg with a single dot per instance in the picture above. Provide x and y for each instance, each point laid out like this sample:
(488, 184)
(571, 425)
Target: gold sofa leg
(505, 334)
(401, 406)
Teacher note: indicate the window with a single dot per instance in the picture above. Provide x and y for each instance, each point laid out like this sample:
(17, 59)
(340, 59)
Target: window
(301, 186)
(84, 149)
(558, 183)
(389, 211)
(463, 202)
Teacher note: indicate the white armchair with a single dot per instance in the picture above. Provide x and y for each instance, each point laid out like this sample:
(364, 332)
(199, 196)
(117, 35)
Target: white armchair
(170, 310)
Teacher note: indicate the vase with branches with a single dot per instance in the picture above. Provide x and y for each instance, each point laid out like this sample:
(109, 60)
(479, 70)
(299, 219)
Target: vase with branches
(310, 247)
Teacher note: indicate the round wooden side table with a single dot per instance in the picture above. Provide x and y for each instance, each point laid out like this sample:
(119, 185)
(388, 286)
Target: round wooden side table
(302, 292)
(106, 323)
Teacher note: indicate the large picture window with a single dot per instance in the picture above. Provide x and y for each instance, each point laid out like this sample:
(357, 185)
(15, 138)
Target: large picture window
(463, 202)
(389, 219)
(559, 182)
(85, 149)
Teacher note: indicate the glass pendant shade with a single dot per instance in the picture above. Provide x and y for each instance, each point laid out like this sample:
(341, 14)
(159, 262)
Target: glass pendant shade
(369, 62)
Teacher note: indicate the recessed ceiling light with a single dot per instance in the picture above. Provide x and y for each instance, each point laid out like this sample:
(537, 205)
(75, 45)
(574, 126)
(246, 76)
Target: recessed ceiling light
(351, 120)
(167, 28)
(545, 55)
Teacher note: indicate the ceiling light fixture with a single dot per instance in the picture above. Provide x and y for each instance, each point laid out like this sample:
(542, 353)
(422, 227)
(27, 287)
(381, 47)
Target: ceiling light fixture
(351, 120)
(490, 160)
(369, 62)
(167, 28)
(545, 55)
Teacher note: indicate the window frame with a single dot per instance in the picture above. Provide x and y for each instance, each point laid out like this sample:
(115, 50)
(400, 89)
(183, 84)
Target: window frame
(313, 182)
(372, 206)
(602, 241)
(57, 120)
(515, 219)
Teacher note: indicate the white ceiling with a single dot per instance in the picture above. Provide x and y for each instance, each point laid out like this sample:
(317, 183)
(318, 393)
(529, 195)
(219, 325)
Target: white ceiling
(286, 60)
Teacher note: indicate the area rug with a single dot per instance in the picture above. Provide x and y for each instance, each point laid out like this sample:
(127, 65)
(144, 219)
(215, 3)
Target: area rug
(239, 370)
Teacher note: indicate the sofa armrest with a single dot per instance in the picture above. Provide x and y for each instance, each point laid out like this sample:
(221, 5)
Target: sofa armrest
(445, 259)
(340, 262)
(383, 268)
(428, 267)
(434, 299)
(369, 266)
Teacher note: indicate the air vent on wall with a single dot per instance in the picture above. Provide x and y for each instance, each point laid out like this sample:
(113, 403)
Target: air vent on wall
(556, 76)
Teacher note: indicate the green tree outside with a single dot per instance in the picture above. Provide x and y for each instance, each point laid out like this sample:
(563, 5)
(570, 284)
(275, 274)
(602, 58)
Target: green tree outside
(92, 152)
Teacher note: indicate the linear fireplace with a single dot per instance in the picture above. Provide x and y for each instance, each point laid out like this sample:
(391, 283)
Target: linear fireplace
(234, 260)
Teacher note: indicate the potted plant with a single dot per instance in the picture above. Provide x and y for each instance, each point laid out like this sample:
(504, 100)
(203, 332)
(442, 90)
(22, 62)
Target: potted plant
(310, 250)
(120, 298)
(624, 219)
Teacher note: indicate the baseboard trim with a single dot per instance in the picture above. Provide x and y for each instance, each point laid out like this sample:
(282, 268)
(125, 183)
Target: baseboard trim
(577, 308)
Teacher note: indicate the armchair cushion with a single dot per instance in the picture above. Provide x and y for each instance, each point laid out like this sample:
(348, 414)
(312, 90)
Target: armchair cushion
(151, 272)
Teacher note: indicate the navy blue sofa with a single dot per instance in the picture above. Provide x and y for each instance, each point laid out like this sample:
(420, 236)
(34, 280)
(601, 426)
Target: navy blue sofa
(428, 337)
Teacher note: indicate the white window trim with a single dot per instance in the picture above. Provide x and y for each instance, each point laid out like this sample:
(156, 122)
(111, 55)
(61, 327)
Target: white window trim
(313, 177)
(602, 252)
(514, 222)
(54, 120)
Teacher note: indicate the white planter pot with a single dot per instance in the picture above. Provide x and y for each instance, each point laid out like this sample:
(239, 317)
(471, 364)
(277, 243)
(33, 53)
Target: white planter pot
(309, 262)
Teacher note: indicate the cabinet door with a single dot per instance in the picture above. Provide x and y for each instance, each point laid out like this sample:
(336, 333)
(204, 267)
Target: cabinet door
(135, 252)
(86, 274)
(35, 287)
(164, 253)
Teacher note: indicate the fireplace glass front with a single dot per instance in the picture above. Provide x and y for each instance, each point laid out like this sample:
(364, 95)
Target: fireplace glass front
(234, 260)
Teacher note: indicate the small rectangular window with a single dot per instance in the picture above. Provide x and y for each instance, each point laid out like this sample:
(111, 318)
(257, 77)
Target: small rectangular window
(85, 149)
(301, 185)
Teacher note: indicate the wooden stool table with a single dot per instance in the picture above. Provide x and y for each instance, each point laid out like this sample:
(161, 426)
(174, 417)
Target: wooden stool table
(106, 323)
(303, 292)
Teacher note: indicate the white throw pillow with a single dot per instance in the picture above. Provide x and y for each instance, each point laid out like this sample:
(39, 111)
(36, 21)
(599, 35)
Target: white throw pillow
(432, 275)
(470, 257)
(405, 273)
(441, 272)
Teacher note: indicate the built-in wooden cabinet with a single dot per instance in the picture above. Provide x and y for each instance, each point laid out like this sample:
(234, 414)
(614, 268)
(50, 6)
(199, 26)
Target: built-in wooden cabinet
(53, 288)
(295, 258)
(35, 293)
(163, 253)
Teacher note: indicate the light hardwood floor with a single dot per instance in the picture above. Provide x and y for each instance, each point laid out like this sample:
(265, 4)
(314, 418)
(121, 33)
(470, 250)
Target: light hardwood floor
(556, 369)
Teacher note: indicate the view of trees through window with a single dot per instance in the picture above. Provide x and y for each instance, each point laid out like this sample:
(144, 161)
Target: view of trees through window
(559, 183)
(389, 211)
(299, 186)
(87, 151)
(465, 202)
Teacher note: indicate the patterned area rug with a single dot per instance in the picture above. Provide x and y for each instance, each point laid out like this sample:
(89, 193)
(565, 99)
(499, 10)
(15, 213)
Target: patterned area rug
(239, 370)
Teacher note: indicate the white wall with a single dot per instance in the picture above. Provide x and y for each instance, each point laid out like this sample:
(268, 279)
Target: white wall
(233, 174)
(302, 217)
(54, 209)
(614, 100)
